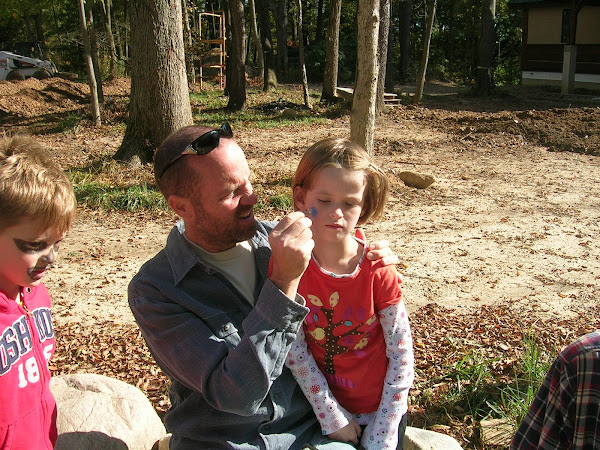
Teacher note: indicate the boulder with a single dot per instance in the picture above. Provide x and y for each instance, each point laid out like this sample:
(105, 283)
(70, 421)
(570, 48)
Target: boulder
(418, 439)
(416, 180)
(98, 412)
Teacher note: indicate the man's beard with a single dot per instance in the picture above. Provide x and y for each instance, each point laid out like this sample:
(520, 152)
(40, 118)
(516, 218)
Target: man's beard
(225, 234)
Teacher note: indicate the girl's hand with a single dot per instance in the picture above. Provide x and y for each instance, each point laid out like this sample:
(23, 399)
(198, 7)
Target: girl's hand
(379, 250)
(350, 433)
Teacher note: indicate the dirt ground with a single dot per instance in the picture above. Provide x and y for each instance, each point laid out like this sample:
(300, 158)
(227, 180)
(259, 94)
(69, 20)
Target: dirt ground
(507, 221)
(511, 220)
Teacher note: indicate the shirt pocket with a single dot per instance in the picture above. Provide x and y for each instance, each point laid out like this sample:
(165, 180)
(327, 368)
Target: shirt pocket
(6, 436)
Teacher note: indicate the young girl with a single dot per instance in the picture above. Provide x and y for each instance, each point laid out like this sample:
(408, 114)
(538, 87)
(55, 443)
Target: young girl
(353, 357)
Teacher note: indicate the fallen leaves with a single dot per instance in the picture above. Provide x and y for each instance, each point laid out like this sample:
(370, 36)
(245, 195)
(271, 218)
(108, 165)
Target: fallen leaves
(113, 350)
(444, 341)
(441, 336)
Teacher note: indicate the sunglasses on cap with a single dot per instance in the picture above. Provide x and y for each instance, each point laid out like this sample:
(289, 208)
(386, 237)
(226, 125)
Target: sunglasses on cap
(203, 144)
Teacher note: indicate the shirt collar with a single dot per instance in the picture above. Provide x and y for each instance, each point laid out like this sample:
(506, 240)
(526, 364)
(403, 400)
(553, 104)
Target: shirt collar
(183, 258)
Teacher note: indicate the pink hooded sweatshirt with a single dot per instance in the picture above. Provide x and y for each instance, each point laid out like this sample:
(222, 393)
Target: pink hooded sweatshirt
(27, 407)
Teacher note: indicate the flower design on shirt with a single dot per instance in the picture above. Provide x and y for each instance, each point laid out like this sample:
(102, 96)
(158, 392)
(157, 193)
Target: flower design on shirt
(337, 330)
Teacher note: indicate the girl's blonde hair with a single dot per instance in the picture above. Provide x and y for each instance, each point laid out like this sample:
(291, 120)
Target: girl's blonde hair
(345, 154)
(32, 186)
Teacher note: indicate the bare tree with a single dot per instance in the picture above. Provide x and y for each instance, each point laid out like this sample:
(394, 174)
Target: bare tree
(362, 117)
(107, 13)
(404, 14)
(382, 52)
(159, 101)
(95, 51)
(301, 50)
(188, 41)
(330, 77)
(89, 65)
(282, 37)
(484, 79)
(389, 80)
(425, 57)
(264, 24)
(236, 82)
(256, 38)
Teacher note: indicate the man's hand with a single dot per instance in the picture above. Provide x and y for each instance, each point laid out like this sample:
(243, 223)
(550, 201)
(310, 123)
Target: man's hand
(379, 250)
(291, 244)
(350, 433)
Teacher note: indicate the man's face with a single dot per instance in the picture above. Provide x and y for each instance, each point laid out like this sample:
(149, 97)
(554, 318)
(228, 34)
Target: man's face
(224, 199)
(25, 254)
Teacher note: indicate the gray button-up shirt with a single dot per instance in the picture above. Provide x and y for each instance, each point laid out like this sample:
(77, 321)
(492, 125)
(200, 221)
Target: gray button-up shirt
(230, 387)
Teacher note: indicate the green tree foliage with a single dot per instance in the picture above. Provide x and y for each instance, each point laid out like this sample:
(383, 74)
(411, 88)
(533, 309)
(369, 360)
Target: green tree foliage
(452, 57)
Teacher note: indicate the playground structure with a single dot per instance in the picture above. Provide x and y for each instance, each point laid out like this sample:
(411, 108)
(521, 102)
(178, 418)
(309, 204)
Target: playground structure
(211, 32)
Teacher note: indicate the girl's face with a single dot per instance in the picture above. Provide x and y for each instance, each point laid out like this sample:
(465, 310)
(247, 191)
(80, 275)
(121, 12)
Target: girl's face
(334, 202)
(25, 254)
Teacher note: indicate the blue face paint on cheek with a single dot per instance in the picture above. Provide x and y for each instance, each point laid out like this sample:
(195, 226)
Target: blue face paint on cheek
(312, 212)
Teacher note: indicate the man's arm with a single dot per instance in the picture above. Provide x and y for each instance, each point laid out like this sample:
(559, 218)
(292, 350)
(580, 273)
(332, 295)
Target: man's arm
(233, 370)
(197, 343)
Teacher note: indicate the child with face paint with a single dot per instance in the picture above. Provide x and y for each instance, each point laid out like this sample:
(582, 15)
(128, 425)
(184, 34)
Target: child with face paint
(37, 207)
(353, 356)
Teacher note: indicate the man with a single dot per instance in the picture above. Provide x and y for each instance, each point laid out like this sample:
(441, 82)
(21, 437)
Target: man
(565, 413)
(215, 322)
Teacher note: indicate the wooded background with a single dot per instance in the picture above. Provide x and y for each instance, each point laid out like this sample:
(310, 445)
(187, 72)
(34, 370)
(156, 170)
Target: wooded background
(453, 54)
(371, 44)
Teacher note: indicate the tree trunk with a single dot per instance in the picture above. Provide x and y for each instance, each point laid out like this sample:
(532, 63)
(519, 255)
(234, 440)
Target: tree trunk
(301, 51)
(382, 53)
(159, 101)
(451, 39)
(404, 16)
(228, 43)
(39, 31)
(282, 37)
(362, 117)
(389, 62)
(259, 56)
(31, 35)
(112, 48)
(425, 57)
(236, 82)
(484, 80)
(264, 23)
(95, 52)
(95, 106)
(330, 77)
(189, 44)
(120, 52)
(319, 30)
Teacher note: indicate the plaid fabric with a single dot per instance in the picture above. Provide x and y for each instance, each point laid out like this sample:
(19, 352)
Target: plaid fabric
(565, 413)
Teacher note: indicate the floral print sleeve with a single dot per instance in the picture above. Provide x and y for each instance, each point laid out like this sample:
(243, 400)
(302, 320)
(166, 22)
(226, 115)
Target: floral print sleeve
(382, 431)
(331, 415)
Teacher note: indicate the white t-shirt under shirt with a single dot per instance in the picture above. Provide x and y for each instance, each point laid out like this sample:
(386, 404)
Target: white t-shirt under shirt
(237, 264)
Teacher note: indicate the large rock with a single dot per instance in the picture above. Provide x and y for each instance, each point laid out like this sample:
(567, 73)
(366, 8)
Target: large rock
(418, 439)
(416, 180)
(98, 412)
